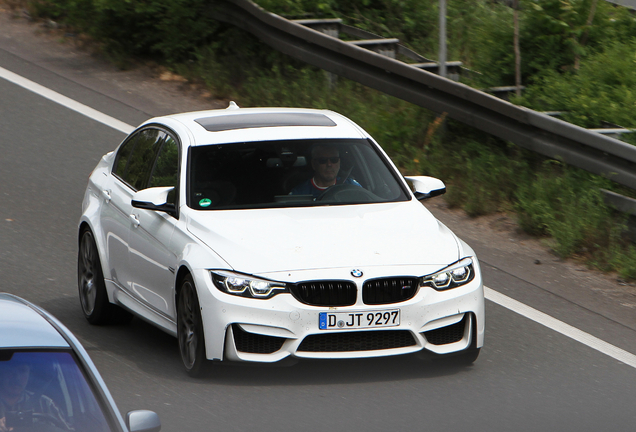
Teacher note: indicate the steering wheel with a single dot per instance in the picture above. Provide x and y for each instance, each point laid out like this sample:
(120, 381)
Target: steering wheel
(48, 418)
(348, 193)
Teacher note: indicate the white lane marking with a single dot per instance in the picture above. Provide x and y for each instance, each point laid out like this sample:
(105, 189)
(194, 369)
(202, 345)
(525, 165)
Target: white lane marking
(561, 327)
(492, 295)
(67, 102)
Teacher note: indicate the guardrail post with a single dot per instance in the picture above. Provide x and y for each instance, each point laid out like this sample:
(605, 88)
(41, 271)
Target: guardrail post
(442, 38)
(330, 27)
(624, 205)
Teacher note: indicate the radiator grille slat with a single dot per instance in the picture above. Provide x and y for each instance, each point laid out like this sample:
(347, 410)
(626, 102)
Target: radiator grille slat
(389, 290)
(325, 293)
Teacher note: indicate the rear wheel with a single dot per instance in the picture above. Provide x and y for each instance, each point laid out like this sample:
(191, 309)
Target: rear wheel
(190, 328)
(92, 289)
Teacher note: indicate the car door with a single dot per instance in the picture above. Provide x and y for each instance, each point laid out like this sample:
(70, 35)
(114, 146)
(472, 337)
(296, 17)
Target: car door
(115, 212)
(131, 172)
(151, 260)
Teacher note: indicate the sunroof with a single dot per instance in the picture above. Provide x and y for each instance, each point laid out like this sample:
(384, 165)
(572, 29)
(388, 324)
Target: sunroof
(262, 120)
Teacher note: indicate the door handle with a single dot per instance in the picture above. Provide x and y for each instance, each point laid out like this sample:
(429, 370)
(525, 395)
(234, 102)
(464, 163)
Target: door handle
(106, 195)
(135, 220)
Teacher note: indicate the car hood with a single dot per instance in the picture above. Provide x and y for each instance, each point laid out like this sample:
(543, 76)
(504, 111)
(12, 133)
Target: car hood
(272, 240)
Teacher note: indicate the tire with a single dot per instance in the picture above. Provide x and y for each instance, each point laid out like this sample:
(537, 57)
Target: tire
(466, 358)
(459, 359)
(92, 289)
(190, 329)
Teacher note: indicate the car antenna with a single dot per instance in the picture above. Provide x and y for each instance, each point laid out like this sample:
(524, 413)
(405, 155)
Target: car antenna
(233, 106)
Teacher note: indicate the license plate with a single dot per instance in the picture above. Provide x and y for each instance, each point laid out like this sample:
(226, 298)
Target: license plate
(358, 320)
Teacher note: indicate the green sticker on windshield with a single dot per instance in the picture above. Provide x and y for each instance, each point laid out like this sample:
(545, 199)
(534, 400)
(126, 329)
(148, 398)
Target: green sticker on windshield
(205, 202)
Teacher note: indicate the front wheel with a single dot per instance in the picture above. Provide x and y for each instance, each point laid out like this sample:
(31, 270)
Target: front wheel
(190, 329)
(468, 357)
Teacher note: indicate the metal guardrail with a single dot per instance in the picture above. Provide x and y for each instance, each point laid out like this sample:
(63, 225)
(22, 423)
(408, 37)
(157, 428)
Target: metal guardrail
(532, 130)
(389, 47)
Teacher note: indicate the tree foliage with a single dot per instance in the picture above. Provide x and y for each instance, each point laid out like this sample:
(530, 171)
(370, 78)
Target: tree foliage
(165, 29)
(602, 90)
(551, 37)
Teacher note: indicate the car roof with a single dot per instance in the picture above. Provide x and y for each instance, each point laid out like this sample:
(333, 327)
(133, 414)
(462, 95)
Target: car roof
(235, 124)
(23, 326)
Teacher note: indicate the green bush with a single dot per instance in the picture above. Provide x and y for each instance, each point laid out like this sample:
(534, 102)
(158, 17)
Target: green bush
(620, 258)
(166, 29)
(604, 89)
(566, 204)
(552, 33)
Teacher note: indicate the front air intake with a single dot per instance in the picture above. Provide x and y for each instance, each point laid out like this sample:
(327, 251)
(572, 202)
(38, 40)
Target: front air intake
(447, 335)
(255, 343)
(357, 341)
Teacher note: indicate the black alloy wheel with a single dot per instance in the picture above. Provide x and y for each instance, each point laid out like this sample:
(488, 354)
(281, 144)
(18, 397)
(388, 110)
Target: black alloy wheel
(190, 328)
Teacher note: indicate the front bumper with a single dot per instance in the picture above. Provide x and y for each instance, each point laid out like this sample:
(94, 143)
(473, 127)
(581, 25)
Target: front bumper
(256, 330)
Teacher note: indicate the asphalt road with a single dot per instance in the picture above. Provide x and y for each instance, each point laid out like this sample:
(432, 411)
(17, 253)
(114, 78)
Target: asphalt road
(528, 378)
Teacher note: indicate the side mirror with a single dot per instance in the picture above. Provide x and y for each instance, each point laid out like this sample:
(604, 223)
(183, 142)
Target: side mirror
(153, 199)
(143, 421)
(426, 187)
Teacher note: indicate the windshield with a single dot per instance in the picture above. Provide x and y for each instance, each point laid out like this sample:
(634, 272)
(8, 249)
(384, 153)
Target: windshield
(46, 392)
(290, 173)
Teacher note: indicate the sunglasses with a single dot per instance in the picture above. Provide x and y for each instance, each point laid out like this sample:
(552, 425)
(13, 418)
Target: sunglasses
(323, 160)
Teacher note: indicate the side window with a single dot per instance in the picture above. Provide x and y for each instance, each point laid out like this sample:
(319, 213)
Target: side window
(165, 172)
(135, 159)
(142, 160)
(123, 155)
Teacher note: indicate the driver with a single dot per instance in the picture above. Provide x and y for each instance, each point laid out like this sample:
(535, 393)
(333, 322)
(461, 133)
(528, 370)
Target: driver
(14, 397)
(325, 160)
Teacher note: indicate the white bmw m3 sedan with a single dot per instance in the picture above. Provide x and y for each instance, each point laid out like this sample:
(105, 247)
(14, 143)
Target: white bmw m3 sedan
(263, 234)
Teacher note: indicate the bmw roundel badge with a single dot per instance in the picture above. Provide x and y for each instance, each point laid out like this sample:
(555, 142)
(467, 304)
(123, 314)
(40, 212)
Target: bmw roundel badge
(356, 273)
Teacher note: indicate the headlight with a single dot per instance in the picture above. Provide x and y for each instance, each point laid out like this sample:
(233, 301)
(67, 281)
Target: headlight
(245, 285)
(454, 275)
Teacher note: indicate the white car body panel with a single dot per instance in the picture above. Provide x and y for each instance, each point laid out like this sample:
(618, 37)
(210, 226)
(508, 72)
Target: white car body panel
(426, 311)
(326, 237)
(151, 257)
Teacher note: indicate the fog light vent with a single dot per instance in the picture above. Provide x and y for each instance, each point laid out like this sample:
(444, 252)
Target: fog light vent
(255, 343)
(447, 335)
